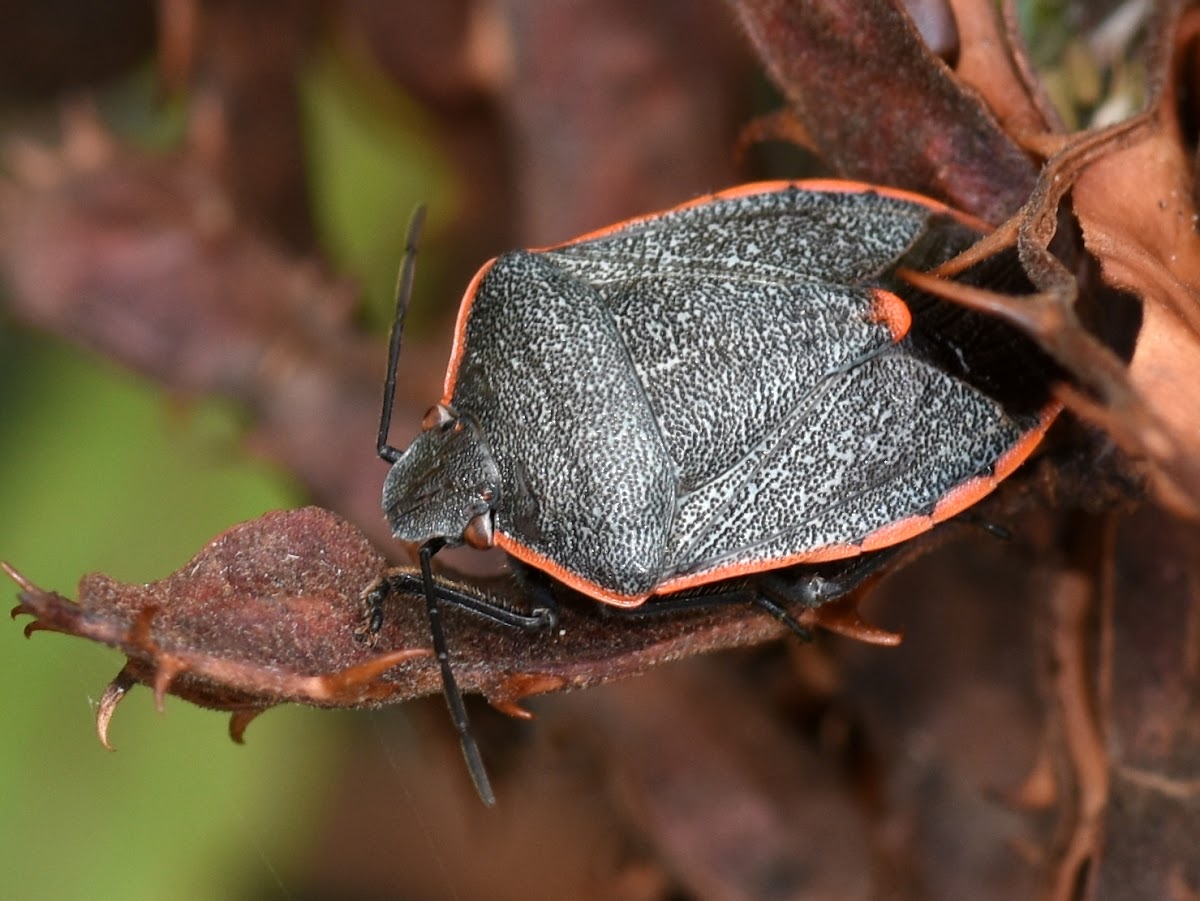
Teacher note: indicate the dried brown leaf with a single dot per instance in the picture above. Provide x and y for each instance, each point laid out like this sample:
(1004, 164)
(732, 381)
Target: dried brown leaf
(878, 106)
(272, 611)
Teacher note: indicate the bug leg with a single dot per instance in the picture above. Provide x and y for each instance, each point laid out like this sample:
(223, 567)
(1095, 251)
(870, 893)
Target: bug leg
(542, 615)
(804, 587)
(738, 592)
(780, 612)
(971, 518)
(543, 606)
(776, 593)
(374, 600)
(814, 586)
(454, 698)
(684, 602)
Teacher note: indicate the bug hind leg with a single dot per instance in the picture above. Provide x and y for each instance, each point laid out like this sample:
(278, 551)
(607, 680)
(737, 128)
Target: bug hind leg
(724, 594)
(815, 585)
(781, 593)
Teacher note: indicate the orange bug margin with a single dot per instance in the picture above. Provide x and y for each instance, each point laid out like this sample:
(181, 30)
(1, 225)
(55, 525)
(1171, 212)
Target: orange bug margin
(887, 308)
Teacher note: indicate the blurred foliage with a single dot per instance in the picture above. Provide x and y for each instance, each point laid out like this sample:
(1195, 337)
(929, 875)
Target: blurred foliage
(98, 474)
(1082, 60)
(368, 146)
(100, 471)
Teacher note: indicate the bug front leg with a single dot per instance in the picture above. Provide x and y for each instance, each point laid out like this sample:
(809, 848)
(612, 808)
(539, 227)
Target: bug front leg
(542, 615)
(436, 595)
(454, 698)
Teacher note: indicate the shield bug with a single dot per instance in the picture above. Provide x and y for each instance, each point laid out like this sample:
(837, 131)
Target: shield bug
(740, 384)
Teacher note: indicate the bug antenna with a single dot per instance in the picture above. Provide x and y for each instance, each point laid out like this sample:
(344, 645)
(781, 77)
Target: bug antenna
(454, 698)
(404, 283)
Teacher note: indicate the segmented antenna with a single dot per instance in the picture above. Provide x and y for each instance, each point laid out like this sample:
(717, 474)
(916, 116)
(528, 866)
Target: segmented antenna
(390, 454)
(404, 283)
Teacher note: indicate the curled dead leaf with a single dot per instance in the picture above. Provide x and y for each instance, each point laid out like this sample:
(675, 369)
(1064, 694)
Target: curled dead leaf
(272, 611)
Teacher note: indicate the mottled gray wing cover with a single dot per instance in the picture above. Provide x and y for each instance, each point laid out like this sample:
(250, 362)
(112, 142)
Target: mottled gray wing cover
(585, 480)
(708, 390)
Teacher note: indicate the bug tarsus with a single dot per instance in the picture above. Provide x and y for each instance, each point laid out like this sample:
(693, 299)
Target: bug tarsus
(780, 612)
(374, 600)
(543, 607)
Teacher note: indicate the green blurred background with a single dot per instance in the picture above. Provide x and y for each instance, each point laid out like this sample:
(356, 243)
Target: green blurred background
(100, 471)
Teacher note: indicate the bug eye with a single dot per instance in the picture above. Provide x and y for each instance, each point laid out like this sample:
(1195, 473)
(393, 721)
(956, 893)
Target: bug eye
(438, 417)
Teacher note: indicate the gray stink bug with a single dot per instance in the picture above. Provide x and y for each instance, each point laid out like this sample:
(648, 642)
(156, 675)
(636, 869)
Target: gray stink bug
(739, 384)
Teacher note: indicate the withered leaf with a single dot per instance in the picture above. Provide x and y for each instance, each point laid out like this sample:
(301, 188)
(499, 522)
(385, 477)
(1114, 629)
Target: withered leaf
(272, 611)
(921, 129)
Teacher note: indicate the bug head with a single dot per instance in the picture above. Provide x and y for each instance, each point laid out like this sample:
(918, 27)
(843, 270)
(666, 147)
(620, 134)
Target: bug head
(444, 485)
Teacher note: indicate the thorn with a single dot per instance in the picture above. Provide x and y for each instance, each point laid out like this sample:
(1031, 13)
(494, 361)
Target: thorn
(843, 618)
(239, 720)
(512, 708)
(35, 626)
(112, 696)
(367, 672)
(516, 688)
(168, 669)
